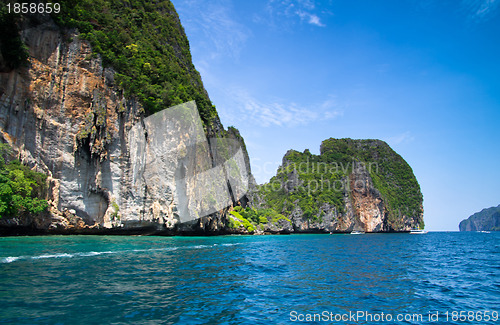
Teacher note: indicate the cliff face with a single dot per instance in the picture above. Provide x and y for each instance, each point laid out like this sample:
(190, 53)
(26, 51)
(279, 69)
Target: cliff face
(360, 185)
(485, 220)
(110, 167)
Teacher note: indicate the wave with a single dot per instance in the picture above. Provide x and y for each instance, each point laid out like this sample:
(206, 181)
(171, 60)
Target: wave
(11, 259)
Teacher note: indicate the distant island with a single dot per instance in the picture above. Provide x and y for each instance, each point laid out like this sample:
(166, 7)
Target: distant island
(485, 220)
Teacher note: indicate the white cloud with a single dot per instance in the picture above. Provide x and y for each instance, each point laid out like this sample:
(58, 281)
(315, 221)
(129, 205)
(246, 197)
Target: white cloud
(307, 4)
(487, 7)
(313, 19)
(310, 18)
(401, 138)
(224, 35)
(285, 12)
(284, 114)
(328, 115)
(481, 10)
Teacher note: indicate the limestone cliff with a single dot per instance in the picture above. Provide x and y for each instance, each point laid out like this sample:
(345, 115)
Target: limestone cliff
(360, 185)
(111, 168)
(484, 220)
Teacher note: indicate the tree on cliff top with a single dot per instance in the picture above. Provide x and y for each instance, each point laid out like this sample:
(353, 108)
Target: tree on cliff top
(13, 52)
(145, 43)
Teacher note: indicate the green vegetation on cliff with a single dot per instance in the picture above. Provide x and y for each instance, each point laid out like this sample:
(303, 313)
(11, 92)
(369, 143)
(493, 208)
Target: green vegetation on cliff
(390, 173)
(145, 43)
(251, 218)
(307, 180)
(21, 188)
(311, 182)
(13, 52)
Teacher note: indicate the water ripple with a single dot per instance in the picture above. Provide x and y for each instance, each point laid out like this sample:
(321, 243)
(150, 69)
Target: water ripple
(244, 279)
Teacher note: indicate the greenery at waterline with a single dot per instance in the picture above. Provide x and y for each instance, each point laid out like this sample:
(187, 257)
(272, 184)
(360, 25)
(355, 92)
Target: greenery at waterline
(21, 188)
(252, 219)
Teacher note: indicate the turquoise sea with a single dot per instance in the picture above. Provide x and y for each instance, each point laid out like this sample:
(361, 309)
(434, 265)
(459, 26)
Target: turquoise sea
(378, 278)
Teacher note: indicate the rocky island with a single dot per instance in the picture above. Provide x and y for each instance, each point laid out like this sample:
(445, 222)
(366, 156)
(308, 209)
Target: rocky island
(353, 185)
(484, 220)
(85, 98)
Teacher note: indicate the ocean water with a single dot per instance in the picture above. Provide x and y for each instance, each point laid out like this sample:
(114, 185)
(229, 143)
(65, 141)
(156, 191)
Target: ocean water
(348, 279)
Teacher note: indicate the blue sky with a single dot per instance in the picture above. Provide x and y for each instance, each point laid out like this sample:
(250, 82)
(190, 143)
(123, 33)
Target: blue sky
(423, 76)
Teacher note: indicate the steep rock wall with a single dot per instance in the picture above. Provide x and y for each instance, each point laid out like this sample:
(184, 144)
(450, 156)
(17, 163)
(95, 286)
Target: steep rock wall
(363, 207)
(64, 116)
(353, 185)
(484, 220)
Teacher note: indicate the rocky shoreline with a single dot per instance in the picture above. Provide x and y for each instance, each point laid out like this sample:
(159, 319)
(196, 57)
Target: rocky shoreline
(153, 231)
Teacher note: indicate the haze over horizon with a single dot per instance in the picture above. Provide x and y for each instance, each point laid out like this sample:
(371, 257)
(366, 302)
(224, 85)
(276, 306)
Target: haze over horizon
(422, 76)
